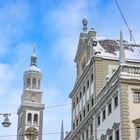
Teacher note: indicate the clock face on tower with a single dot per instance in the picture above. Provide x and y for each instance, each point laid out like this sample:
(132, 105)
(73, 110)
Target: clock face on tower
(31, 133)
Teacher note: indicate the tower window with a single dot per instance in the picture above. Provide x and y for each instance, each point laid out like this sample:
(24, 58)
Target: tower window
(29, 119)
(35, 119)
(38, 83)
(28, 83)
(34, 82)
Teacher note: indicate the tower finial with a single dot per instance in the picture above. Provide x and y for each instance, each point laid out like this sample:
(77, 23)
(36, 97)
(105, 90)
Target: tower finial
(33, 57)
(122, 52)
(34, 47)
(84, 22)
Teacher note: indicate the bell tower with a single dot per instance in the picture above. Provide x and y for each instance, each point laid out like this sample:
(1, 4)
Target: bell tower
(30, 112)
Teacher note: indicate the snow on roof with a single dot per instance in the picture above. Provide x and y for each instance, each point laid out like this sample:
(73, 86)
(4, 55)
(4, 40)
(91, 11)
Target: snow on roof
(110, 48)
(34, 68)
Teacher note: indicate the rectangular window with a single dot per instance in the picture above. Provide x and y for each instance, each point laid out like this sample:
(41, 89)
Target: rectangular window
(91, 77)
(110, 138)
(138, 132)
(73, 126)
(86, 134)
(117, 135)
(88, 84)
(80, 95)
(109, 108)
(88, 108)
(99, 120)
(91, 129)
(84, 112)
(84, 89)
(103, 114)
(83, 136)
(73, 105)
(77, 100)
(116, 101)
(92, 102)
(80, 117)
(137, 97)
(77, 122)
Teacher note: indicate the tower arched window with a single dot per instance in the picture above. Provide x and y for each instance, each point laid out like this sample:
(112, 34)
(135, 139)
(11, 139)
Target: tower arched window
(34, 82)
(29, 118)
(38, 83)
(35, 118)
(28, 83)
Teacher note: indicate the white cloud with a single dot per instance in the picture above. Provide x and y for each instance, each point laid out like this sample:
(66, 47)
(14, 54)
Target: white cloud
(13, 23)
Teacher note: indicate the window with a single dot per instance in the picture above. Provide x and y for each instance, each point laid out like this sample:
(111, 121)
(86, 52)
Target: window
(91, 129)
(73, 126)
(34, 82)
(110, 138)
(73, 105)
(35, 119)
(80, 95)
(84, 89)
(136, 97)
(84, 112)
(77, 122)
(92, 102)
(116, 101)
(91, 77)
(29, 118)
(28, 83)
(38, 83)
(138, 132)
(88, 84)
(99, 120)
(88, 108)
(86, 134)
(117, 135)
(104, 114)
(80, 117)
(77, 100)
(109, 108)
(83, 138)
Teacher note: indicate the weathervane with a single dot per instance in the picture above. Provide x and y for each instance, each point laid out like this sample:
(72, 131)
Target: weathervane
(34, 47)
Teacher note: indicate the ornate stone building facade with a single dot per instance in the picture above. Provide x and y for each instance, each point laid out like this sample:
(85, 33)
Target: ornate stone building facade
(106, 94)
(30, 112)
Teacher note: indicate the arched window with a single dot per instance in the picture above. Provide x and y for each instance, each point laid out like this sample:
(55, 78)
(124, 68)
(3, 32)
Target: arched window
(28, 83)
(29, 118)
(34, 82)
(38, 83)
(35, 119)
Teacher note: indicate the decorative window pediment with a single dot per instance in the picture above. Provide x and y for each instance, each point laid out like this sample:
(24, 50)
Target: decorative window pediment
(103, 137)
(109, 131)
(115, 125)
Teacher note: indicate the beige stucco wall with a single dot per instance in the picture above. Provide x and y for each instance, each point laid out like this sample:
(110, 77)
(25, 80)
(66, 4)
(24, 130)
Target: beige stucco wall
(134, 110)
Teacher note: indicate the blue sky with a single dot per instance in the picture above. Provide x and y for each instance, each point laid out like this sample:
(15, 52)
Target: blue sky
(55, 27)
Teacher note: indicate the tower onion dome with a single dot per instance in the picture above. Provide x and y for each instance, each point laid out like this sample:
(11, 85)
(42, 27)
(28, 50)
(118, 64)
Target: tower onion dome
(33, 64)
